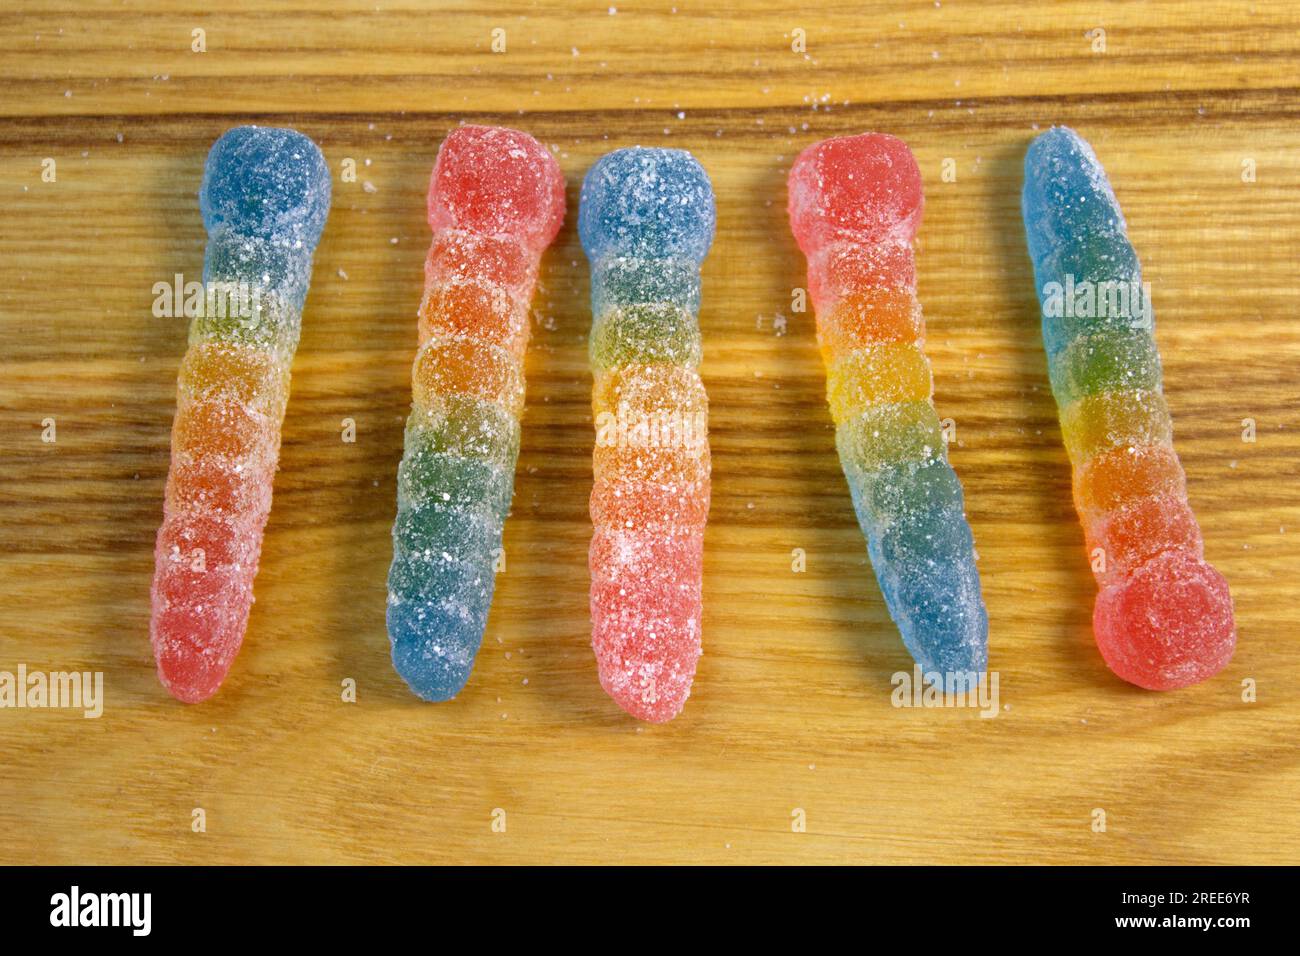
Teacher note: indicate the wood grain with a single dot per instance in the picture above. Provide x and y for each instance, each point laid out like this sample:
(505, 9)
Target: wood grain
(791, 708)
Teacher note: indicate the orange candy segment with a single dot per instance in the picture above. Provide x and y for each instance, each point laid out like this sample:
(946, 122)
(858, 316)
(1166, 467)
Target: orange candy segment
(649, 389)
(662, 465)
(220, 486)
(871, 316)
(1132, 536)
(479, 309)
(205, 427)
(237, 373)
(465, 366)
(632, 505)
(1122, 475)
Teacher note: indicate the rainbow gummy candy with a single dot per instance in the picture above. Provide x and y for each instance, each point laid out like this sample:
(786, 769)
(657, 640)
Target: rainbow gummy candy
(264, 199)
(496, 201)
(855, 205)
(1163, 616)
(646, 221)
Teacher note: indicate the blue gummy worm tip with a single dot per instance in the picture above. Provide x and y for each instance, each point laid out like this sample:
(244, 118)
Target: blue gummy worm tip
(266, 182)
(424, 652)
(1066, 193)
(1056, 139)
(652, 203)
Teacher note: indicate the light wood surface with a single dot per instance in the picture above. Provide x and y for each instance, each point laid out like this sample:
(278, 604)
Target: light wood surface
(791, 708)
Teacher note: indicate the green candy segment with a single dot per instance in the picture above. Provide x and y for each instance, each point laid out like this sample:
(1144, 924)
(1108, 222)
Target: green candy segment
(466, 426)
(463, 532)
(626, 280)
(645, 334)
(891, 433)
(1116, 360)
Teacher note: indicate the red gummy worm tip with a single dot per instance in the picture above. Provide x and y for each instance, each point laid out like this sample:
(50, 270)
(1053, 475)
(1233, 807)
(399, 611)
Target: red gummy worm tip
(864, 189)
(1168, 625)
(497, 181)
(190, 664)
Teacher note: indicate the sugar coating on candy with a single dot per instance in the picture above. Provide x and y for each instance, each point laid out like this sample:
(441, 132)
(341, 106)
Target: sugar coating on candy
(628, 281)
(646, 220)
(1127, 474)
(667, 465)
(274, 326)
(871, 316)
(1163, 617)
(1119, 360)
(500, 183)
(861, 190)
(462, 255)
(890, 432)
(855, 204)
(844, 269)
(433, 526)
(1099, 421)
(647, 334)
(496, 201)
(264, 198)
(659, 506)
(1166, 624)
(1067, 195)
(266, 183)
(236, 261)
(651, 204)
(647, 389)
(475, 308)
(214, 429)
(466, 426)
(876, 374)
(471, 366)
(1131, 536)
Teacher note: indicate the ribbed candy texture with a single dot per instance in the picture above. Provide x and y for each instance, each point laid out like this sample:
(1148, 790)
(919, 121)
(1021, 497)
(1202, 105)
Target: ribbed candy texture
(646, 221)
(1163, 617)
(264, 199)
(855, 205)
(496, 201)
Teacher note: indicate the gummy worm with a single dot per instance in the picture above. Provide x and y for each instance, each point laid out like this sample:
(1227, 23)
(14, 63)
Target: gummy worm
(646, 221)
(264, 198)
(496, 201)
(1163, 617)
(855, 204)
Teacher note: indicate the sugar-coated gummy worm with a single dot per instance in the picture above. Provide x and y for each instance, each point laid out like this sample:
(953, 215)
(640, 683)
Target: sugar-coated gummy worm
(1163, 616)
(264, 198)
(646, 221)
(855, 205)
(496, 201)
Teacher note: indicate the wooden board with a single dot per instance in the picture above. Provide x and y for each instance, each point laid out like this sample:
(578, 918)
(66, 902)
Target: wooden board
(792, 705)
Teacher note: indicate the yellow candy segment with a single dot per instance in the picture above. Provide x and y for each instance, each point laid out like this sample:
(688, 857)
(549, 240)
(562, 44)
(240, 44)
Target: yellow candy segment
(876, 375)
(1106, 420)
(239, 373)
(649, 389)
